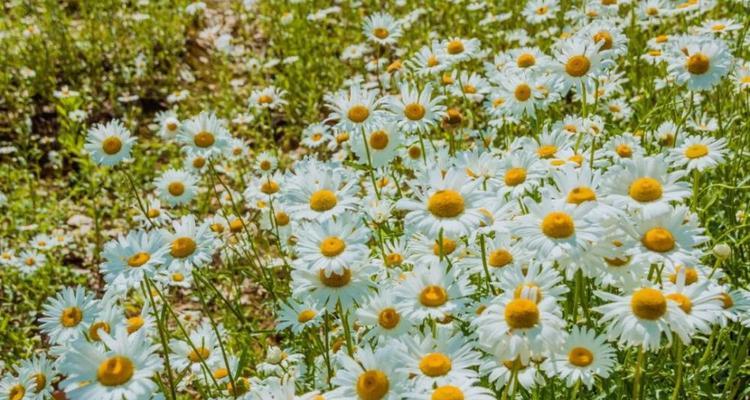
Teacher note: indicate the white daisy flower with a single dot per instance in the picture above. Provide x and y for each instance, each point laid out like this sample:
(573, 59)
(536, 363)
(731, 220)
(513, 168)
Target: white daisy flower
(109, 143)
(369, 375)
(414, 110)
(583, 357)
(128, 259)
(382, 29)
(699, 62)
(698, 153)
(332, 245)
(68, 314)
(438, 360)
(190, 244)
(204, 134)
(176, 186)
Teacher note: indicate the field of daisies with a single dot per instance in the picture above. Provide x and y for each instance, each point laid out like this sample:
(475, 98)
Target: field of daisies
(374, 200)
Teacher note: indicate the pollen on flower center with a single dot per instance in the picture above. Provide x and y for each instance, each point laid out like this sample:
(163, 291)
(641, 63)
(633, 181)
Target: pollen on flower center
(380, 32)
(522, 92)
(71, 316)
(455, 47)
(682, 301)
(332, 246)
(358, 113)
(138, 259)
(515, 176)
(500, 258)
(372, 385)
(40, 381)
(17, 392)
(199, 354)
(521, 314)
(204, 139)
(435, 364)
(115, 371)
(697, 150)
(446, 204)
(306, 316)
(603, 36)
(624, 151)
(176, 188)
(448, 245)
(388, 318)
(335, 280)
(269, 187)
(323, 200)
(433, 296)
(414, 111)
(645, 190)
(577, 66)
(648, 304)
(394, 259)
(379, 140)
(580, 357)
(264, 99)
(134, 323)
(558, 225)
(447, 392)
(282, 218)
(658, 239)
(415, 152)
(698, 64)
(546, 151)
(580, 195)
(112, 145)
(94, 330)
(691, 275)
(182, 247)
(526, 60)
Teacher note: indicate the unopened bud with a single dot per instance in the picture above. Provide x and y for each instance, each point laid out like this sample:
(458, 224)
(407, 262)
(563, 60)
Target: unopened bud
(722, 251)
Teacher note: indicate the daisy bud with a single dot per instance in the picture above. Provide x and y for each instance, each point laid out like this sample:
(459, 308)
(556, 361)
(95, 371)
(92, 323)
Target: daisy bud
(722, 251)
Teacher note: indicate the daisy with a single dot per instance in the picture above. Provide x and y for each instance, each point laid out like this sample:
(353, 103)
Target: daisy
(520, 172)
(578, 63)
(320, 192)
(268, 98)
(641, 318)
(29, 261)
(456, 50)
(168, 124)
(298, 315)
(643, 184)
(200, 350)
(42, 371)
(719, 26)
(455, 390)
(8, 257)
(425, 251)
(385, 316)
(330, 288)
(122, 369)
(68, 314)
(369, 375)
(377, 147)
(128, 259)
(521, 93)
(316, 135)
(189, 244)
(432, 293)
(415, 111)
(583, 357)
(535, 279)
(359, 109)
(175, 275)
(266, 162)
(42, 242)
(580, 186)
(538, 11)
(700, 302)
(16, 387)
(448, 204)
(332, 245)
(621, 147)
(109, 143)
(503, 372)
(429, 60)
(204, 134)
(382, 29)
(698, 153)
(471, 86)
(529, 59)
(176, 186)
(155, 214)
(699, 62)
(438, 360)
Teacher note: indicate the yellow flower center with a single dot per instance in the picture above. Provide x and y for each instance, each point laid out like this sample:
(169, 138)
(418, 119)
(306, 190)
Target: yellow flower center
(394, 259)
(388, 318)
(153, 212)
(526, 60)
(94, 330)
(432, 61)
(698, 64)
(697, 150)
(323, 200)
(221, 373)
(658, 239)
(446, 204)
(522, 92)
(176, 188)
(71, 316)
(414, 111)
(380, 33)
(521, 314)
(580, 357)
(135, 323)
(470, 89)
(648, 304)
(335, 280)
(433, 296)
(358, 113)
(282, 218)
(40, 381)
(264, 99)
(447, 392)
(577, 66)
(269, 187)
(455, 47)
(415, 152)
(500, 258)
(265, 165)
(515, 176)
(645, 190)
(558, 225)
(541, 10)
(16, 392)
(580, 195)
(379, 140)
(199, 162)
(115, 371)
(606, 37)
(235, 225)
(449, 246)
(332, 246)
(199, 354)
(242, 385)
(726, 300)
(112, 145)
(178, 277)
(691, 275)
(203, 139)
(682, 301)
(138, 259)
(624, 151)
(306, 316)
(546, 151)
(182, 247)
(372, 385)
(435, 364)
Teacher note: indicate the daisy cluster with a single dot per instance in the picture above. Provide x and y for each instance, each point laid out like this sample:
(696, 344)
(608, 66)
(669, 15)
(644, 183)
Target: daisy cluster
(461, 224)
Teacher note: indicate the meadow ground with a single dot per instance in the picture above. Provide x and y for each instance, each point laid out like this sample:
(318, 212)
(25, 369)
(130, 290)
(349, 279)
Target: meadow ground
(375, 200)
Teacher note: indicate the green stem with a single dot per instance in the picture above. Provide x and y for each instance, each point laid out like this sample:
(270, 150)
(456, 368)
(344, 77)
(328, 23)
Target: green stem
(678, 361)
